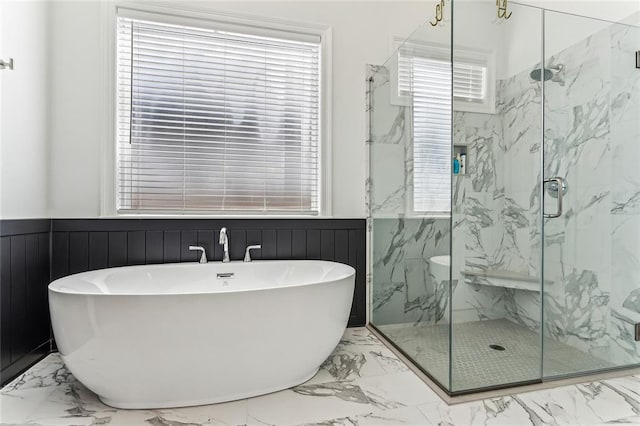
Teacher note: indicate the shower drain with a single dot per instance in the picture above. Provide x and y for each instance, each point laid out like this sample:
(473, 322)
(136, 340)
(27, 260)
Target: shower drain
(497, 347)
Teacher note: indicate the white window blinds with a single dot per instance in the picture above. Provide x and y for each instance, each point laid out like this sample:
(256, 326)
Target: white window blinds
(469, 82)
(430, 84)
(424, 76)
(469, 79)
(216, 121)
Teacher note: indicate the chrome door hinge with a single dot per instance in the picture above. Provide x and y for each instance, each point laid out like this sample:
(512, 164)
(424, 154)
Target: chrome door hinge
(8, 64)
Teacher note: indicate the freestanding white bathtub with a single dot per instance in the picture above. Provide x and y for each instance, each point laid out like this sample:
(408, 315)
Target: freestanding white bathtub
(187, 334)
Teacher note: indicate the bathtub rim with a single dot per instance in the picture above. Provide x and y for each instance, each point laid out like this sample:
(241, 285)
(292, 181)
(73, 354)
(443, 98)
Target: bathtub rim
(350, 272)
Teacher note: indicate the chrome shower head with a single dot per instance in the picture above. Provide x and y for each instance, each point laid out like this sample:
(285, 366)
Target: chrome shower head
(536, 74)
(550, 73)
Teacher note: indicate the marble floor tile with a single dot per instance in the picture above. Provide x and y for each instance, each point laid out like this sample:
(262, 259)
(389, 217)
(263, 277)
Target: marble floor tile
(359, 354)
(635, 420)
(396, 390)
(405, 416)
(309, 404)
(508, 411)
(366, 399)
(361, 384)
(628, 388)
(583, 404)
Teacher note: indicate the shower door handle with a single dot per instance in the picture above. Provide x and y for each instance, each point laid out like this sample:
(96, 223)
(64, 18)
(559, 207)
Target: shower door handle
(560, 185)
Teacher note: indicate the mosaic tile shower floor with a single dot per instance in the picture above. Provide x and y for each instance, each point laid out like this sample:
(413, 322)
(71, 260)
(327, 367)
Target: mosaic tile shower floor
(361, 384)
(476, 364)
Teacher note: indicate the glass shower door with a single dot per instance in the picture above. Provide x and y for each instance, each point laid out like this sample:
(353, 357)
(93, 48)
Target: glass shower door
(496, 230)
(591, 195)
(409, 114)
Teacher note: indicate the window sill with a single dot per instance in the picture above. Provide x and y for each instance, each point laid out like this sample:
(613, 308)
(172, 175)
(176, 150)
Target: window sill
(213, 216)
(429, 216)
(413, 216)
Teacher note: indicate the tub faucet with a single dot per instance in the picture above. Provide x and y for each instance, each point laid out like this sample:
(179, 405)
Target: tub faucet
(203, 255)
(224, 241)
(247, 252)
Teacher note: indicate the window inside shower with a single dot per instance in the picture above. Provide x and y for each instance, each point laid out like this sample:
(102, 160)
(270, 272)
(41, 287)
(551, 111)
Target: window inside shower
(424, 81)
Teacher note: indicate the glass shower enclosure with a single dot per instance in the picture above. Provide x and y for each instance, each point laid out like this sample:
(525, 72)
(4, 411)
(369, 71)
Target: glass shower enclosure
(504, 195)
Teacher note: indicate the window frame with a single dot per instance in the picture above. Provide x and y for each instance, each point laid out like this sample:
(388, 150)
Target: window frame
(412, 193)
(442, 53)
(213, 19)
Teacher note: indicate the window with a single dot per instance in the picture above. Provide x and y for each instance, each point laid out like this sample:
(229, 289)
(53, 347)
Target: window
(430, 82)
(215, 120)
(424, 79)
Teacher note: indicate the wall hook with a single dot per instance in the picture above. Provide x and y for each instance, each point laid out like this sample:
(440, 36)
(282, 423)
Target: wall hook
(503, 5)
(8, 64)
(439, 14)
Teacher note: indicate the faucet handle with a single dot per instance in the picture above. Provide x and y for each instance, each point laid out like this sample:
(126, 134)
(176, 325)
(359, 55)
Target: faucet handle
(247, 252)
(203, 256)
(223, 235)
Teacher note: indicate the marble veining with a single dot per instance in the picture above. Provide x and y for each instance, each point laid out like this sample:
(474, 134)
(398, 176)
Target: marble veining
(404, 288)
(592, 253)
(632, 301)
(375, 389)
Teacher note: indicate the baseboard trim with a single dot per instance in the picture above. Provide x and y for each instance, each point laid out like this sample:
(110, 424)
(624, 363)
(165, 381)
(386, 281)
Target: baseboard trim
(15, 369)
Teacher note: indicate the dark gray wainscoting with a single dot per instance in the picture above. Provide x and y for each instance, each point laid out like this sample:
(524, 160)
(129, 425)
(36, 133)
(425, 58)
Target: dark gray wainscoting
(33, 252)
(24, 309)
(84, 244)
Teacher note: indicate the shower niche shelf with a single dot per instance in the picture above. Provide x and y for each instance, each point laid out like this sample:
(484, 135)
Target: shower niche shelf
(504, 279)
(458, 151)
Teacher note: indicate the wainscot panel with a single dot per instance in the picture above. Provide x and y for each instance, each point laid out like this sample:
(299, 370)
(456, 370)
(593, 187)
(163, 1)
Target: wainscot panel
(24, 309)
(86, 244)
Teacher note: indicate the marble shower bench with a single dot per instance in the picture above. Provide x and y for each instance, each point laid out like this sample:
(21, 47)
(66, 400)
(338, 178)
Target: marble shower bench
(504, 279)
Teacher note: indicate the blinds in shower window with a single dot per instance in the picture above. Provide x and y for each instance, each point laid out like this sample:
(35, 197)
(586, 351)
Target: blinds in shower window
(469, 82)
(430, 84)
(469, 79)
(425, 77)
(210, 120)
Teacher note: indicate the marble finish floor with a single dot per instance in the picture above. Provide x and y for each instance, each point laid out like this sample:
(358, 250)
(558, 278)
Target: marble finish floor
(476, 365)
(362, 383)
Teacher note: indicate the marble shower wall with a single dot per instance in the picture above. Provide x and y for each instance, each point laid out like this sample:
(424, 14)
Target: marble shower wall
(491, 231)
(592, 260)
(625, 219)
(403, 288)
(578, 148)
(496, 236)
(592, 252)
(390, 180)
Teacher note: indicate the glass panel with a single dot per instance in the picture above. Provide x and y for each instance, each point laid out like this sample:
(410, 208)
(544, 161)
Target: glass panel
(410, 129)
(458, 289)
(496, 237)
(592, 142)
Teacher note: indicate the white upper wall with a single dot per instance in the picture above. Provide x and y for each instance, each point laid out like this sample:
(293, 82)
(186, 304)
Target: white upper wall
(608, 10)
(519, 40)
(361, 34)
(362, 31)
(77, 117)
(23, 110)
(523, 38)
